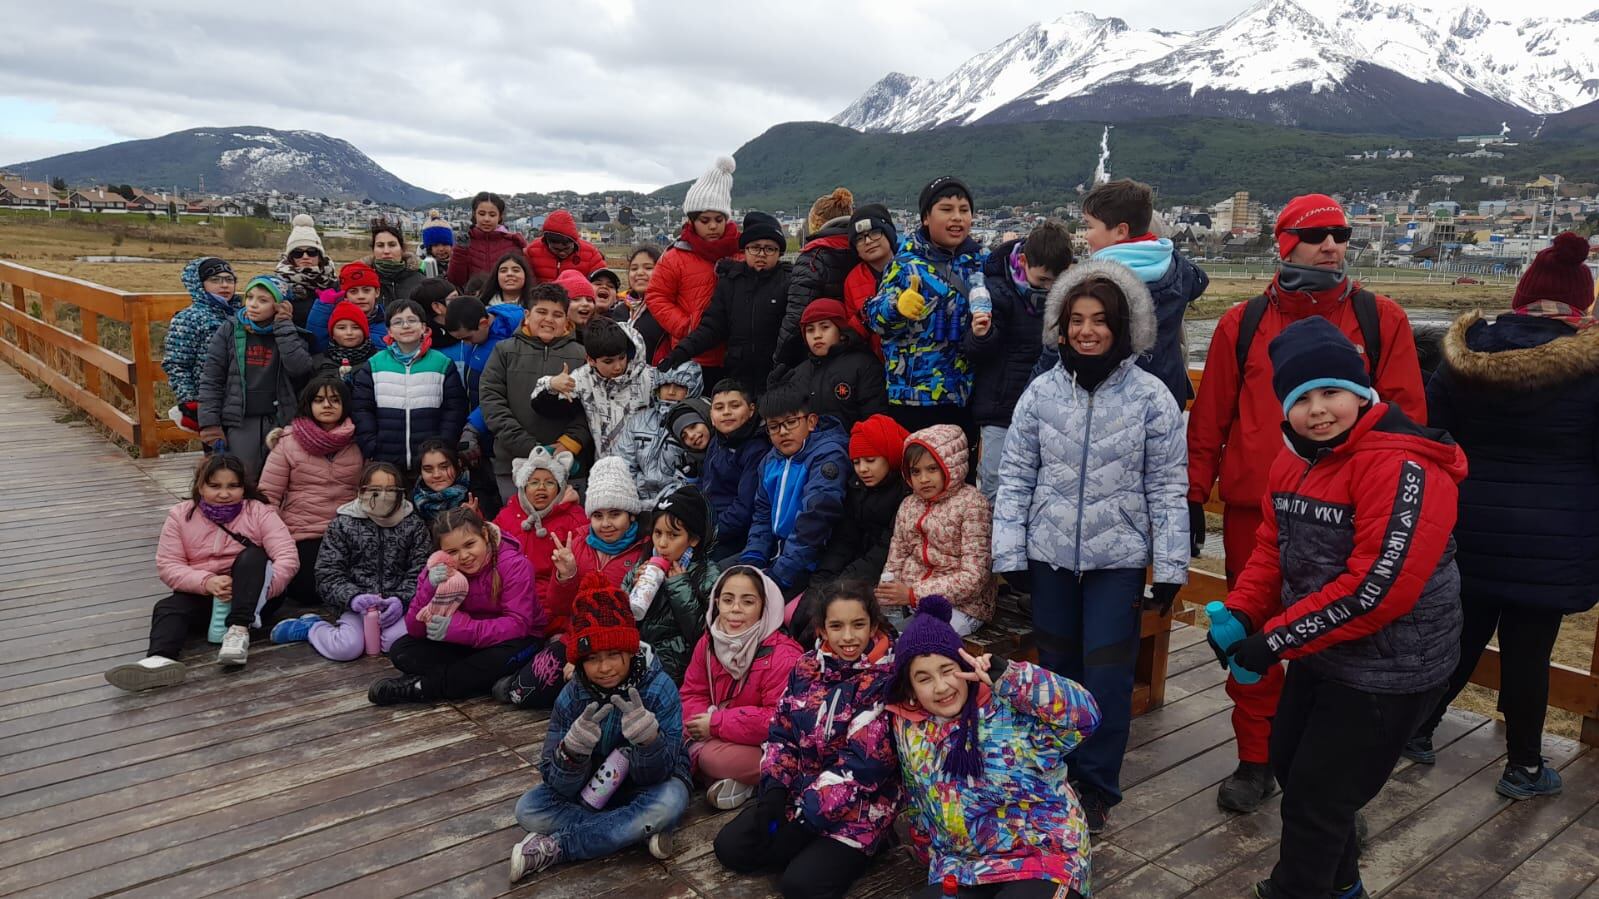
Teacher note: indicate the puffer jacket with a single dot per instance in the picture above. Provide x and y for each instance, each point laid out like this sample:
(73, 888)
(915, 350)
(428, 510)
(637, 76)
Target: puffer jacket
(663, 759)
(859, 547)
(1353, 572)
(358, 556)
(1019, 820)
(518, 424)
(398, 405)
(401, 285)
(847, 383)
(585, 260)
(860, 285)
(309, 489)
(316, 323)
(729, 478)
(470, 358)
(1174, 283)
(681, 287)
(676, 619)
(831, 747)
(745, 312)
(1521, 396)
(481, 253)
(741, 709)
(488, 616)
(819, 271)
(653, 458)
(1002, 360)
(614, 568)
(797, 503)
(942, 546)
(1095, 480)
(189, 334)
(923, 363)
(609, 402)
(561, 520)
(192, 549)
(222, 400)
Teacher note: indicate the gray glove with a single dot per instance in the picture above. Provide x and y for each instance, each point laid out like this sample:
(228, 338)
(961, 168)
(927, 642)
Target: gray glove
(639, 726)
(584, 734)
(437, 627)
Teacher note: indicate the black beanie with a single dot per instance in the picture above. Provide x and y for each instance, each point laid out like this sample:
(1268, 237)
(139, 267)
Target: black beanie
(873, 217)
(1312, 353)
(762, 226)
(939, 188)
(211, 266)
(688, 505)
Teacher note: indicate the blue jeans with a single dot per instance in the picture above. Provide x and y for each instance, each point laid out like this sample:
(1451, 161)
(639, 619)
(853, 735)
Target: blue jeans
(1086, 628)
(988, 463)
(585, 833)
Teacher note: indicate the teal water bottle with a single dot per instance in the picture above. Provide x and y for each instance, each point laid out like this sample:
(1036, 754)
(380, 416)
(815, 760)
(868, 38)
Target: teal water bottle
(1226, 631)
(219, 621)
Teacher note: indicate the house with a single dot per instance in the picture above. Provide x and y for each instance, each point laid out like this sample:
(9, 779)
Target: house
(144, 201)
(97, 199)
(27, 194)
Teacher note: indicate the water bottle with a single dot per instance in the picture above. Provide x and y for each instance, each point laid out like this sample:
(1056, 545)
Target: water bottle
(952, 887)
(645, 587)
(977, 296)
(372, 630)
(1226, 631)
(606, 781)
(219, 620)
(896, 615)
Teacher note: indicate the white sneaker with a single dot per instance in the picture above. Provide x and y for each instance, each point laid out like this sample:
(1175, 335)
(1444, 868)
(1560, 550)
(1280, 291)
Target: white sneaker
(728, 794)
(235, 646)
(661, 845)
(147, 673)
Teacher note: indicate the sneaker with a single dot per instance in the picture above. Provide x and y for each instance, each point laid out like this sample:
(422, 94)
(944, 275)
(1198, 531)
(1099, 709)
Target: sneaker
(295, 630)
(501, 691)
(729, 794)
(1356, 890)
(235, 646)
(1095, 811)
(661, 845)
(395, 690)
(533, 854)
(1246, 788)
(146, 674)
(1519, 783)
(1419, 750)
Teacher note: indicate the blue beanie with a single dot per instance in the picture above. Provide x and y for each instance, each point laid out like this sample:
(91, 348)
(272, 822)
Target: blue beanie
(437, 231)
(1312, 353)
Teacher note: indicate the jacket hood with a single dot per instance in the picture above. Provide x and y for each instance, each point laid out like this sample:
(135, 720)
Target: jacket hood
(1519, 352)
(771, 595)
(1386, 428)
(504, 322)
(1140, 308)
(947, 443)
(689, 376)
(834, 235)
(561, 222)
(999, 258)
(1150, 260)
(353, 509)
(197, 292)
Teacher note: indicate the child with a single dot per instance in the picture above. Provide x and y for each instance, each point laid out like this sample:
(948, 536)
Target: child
(681, 287)
(875, 240)
(1004, 345)
(688, 430)
(581, 293)
(253, 367)
(941, 540)
(652, 459)
(438, 243)
(731, 471)
(305, 268)
(619, 712)
(407, 394)
(541, 514)
(371, 557)
(211, 283)
(348, 344)
(435, 296)
(313, 469)
(830, 784)
(616, 382)
(800, 495)
(981, 741)
(1090, 494)
(235, 548)
(672, 619)
(509, 286)
(859, 546)
(561, 249)
(360, 285)
(733, 683)
(464, 653)
(441, 483)
(477, 330)
(1116, 221)
(1374, 636)
(633, 310)
(399, 271)
(607, 288)
(826, 256)
(488, 240)
(542, 348)
(840, 373)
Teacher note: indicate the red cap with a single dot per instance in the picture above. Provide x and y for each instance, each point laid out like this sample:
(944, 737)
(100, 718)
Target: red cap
(1560, 273)
(346, 311)
(358, 274)
(575, 285)
(602, 620)
(1308, 211)
(878, 435)
(824, 309)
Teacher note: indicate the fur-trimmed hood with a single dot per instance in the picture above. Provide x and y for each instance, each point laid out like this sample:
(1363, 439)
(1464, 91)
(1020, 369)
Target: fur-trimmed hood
(1140, 308)
(1519, 364)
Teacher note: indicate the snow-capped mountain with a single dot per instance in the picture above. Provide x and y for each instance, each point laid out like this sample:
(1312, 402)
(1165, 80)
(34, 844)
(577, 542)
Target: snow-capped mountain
(1429, 67)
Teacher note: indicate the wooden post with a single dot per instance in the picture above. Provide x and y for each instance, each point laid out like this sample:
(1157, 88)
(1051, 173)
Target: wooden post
(90, 331)
(137, 313)
(1590, 719)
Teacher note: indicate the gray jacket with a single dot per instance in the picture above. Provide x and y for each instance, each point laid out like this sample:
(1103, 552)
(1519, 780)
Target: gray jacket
(222, 378)
(653, 458)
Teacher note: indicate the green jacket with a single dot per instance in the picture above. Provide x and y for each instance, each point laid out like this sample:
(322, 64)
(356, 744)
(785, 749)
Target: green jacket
(676, 618)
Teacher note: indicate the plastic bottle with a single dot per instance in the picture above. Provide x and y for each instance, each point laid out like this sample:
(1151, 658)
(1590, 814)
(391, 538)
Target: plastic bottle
(952, 887)
(606, 781)
(1225, 630)
(647, 585)
(372, 631)
(219, 620)
(977, 296)
(896, 615)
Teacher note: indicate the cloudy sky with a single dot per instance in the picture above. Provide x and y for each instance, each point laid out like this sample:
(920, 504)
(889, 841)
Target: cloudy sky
(540, 95)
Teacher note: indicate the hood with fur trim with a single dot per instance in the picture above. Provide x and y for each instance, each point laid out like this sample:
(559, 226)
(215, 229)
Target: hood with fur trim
(1490, 355)
(1140, 308)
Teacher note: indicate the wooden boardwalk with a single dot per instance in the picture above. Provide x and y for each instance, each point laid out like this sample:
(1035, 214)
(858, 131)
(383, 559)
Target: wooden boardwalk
(281, 780)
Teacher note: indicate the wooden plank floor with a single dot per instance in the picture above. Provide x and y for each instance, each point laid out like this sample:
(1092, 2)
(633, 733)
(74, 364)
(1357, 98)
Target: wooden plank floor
(281, 780)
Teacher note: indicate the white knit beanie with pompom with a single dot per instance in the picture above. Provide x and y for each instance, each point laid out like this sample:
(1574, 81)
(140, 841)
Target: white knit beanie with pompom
(303, 234)
(714, 191)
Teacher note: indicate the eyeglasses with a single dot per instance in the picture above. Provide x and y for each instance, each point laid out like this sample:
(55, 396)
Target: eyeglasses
(757, 250)
(222, 279)
(400, 322)
(785, 426)
(379, 492)
(305, 251)
(1317, 235)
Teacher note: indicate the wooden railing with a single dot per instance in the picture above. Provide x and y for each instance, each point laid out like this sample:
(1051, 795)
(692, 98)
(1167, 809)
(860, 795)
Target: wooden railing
(93, 346)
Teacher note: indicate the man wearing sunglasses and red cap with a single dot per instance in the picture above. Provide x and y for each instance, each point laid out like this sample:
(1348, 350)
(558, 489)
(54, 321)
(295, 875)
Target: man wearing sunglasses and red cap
(1235, 427)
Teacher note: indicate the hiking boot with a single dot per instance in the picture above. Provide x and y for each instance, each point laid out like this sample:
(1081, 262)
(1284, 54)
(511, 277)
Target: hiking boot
(235, 646)
(661, 845)
(146, 674)
(532, 854)
(1520, 783)
(1096, 811)
(729, 794)
(295, 630)
(1264, 890)
(395, 690)
(1419, 750)
(1246, 788)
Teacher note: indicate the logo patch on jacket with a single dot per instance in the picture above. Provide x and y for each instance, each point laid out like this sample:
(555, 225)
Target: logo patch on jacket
(842, 391)
(829, 470)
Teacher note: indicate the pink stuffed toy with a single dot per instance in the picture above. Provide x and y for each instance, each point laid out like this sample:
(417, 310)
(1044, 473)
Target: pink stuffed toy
(450, 588)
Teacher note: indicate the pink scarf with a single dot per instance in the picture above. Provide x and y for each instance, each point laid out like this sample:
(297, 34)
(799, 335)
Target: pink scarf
(314, 440)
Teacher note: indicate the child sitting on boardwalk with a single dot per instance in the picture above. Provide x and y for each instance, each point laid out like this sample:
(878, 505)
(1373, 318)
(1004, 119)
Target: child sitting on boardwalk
(671, 617)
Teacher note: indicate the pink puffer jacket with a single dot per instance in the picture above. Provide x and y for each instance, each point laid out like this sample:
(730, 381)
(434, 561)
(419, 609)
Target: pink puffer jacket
(945, 546)
(308, 490)
(192, 549)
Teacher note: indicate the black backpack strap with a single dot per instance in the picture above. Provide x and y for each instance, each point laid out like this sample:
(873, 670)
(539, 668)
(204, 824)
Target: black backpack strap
(1254, 311)
(1365, 303)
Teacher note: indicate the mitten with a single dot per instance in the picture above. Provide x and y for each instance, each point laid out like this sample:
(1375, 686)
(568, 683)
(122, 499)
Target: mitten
(584, 733)
(364, 601)
(1161, 597)
(911, 303)
(1196, 528)
(639, 726)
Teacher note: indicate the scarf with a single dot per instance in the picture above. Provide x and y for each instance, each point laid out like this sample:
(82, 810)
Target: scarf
(635, 678)
(317, 441)
(390, 271)
(737, 651)
(1312, 450)
(348, 358)
(1581, 319)
(617, 546)
(405, 358)
(308, 282)
(1308, 278)
(873, 654)
(535, 519)
(250, 324)
(389, 519)
(221, 514)
(1032, 297)
(429, 503)
(711, 251)
(1089, 371)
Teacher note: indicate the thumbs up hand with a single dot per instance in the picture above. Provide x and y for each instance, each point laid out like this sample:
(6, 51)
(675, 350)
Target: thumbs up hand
(911, 303)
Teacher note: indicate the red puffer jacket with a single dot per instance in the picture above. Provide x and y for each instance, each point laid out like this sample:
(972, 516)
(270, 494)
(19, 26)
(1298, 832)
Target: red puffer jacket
(482, 253)
(585, 260)
(681, 288)
(562, 520)
(1247, 422)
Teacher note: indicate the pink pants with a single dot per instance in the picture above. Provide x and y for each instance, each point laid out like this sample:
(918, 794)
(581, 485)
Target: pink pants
(715, 760)
(345, 641)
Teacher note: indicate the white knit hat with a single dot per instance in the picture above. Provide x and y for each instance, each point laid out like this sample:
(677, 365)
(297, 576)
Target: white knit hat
(714, 191)
(559, 464)
(303, 234)
(611, 486)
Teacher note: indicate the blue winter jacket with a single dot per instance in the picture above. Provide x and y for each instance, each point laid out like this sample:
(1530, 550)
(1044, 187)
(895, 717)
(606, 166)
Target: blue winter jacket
(189, 334)
(316, 324)
(923, 362)
(1174, 282)
(797, 503)
(661, 760)
(729, 478)
(469, 358)
(1002, 360)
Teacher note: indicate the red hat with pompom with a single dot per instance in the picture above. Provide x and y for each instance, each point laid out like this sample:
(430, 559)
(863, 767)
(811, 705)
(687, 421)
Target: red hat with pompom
(602, 620)
(1560, 273)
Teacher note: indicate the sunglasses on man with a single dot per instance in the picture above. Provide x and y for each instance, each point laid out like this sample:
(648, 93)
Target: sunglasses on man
(1317, 235)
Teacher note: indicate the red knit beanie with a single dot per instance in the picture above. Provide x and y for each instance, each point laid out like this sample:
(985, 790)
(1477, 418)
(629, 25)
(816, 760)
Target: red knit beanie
(346, 311)
(1559, 272)
(821, 310)
(1308, 211)
(879, 436)
(358, 274)
(576, 285)
(602, 620)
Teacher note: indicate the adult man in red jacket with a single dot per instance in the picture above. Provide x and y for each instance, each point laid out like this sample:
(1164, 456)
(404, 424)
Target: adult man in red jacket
(1235, 427)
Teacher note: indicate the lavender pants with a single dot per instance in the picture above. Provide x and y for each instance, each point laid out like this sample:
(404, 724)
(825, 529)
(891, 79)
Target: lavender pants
(346, 640)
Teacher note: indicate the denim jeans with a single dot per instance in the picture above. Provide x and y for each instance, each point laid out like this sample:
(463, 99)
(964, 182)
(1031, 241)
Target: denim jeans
(585, 833)
(988, 462)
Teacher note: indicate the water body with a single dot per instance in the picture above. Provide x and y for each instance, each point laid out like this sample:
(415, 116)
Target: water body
(1199, 331)
(117, 259)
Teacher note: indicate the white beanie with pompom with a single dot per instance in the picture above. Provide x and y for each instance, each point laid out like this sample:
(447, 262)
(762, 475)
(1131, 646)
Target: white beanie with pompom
(302, 233)
(714, 191)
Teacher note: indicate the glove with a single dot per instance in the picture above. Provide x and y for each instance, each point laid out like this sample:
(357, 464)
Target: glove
(1222, 654)
(911, 303)
(672, 360)
(1196, 528)
(437, 626)
(584, 734)
(189, 416)
(364, 601)
(996, 667)
(777, 375)
(769, 809)
(1254, 653)
(391, 611)
(639, 726)
(1161, 597)
(470, 447)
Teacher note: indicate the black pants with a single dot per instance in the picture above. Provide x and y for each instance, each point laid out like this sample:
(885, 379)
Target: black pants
(176, 616)
(453, 671)
(1014, 889)
(1332, 748)
(1526, 640)
(915, 418)
(812, 866)
(302, 590)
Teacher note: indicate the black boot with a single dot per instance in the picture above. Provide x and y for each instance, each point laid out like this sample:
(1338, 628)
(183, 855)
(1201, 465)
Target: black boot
(1419, 750)
(395, 690)
(1246, 788)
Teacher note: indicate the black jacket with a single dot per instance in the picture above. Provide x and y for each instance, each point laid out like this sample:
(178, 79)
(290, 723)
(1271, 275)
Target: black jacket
(819, 271)
(1521, 397)
(847, 383)
(744, 313)
(1002, 360)
(859, 548)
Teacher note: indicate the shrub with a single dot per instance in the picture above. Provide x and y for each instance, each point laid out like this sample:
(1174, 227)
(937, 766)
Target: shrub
(239, 234)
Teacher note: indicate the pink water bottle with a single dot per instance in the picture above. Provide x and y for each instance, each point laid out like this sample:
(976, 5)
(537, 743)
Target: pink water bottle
(606, 781)
(373, 631)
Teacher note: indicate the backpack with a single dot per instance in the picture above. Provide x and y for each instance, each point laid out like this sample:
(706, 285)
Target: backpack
(1365, 303)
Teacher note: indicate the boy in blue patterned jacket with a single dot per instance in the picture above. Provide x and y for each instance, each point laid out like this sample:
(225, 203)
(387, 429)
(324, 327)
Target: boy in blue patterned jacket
(211, 284)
